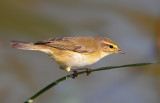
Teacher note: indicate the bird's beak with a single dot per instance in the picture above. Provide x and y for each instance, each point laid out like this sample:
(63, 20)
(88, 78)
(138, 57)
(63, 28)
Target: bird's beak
(120, 51)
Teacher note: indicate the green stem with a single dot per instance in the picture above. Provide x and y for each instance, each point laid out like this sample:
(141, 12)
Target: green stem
(30, 100)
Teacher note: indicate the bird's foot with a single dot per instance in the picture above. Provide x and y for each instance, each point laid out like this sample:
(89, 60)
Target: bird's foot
(75, 71)
(74, 74)
(88, 71)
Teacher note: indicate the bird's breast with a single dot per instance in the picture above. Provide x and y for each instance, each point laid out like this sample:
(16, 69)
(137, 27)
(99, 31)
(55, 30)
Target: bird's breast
(79, 59)
(74, 59)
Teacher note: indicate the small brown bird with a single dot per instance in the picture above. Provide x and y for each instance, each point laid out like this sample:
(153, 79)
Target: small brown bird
(72, 51)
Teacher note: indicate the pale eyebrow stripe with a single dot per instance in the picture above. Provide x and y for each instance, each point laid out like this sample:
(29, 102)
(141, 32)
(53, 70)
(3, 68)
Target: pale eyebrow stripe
(108, 44)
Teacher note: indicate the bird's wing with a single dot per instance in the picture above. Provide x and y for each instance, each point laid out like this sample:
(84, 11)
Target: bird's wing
(76, 44)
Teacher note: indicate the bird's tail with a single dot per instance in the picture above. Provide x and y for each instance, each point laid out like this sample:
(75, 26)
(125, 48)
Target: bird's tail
(24, 45)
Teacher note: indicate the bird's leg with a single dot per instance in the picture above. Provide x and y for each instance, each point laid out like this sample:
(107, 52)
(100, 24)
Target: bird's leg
(68, 69)
(74, 74)
(87, 69)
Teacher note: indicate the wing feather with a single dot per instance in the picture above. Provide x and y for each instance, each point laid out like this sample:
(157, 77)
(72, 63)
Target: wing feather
(76, 44)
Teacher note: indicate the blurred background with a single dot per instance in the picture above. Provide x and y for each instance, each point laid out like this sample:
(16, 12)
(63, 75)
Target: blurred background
(133, 24)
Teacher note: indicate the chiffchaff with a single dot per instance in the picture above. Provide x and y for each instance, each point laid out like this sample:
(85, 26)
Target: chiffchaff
(72, 51)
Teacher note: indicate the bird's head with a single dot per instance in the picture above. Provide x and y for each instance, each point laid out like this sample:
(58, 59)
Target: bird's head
(109, 47)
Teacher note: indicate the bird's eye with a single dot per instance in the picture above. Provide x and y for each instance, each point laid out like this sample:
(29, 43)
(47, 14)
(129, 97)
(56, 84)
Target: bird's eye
(111, 46)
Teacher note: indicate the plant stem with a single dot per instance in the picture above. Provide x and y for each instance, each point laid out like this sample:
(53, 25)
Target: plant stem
(30, 100)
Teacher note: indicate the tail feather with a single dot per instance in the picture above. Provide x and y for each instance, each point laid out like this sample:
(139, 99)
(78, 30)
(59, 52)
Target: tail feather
(22, 45)
(30, 46)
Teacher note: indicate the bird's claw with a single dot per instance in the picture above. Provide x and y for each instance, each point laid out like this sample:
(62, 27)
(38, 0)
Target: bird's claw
(74, 74)
(88, 71)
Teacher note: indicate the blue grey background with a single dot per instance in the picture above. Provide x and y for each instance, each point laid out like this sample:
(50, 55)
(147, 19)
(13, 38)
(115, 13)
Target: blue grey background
(132, 24)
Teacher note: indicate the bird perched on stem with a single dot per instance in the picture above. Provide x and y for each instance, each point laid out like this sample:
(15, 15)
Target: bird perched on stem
(72, 51)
